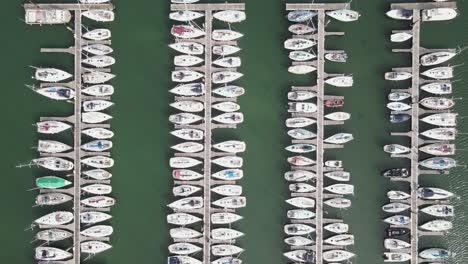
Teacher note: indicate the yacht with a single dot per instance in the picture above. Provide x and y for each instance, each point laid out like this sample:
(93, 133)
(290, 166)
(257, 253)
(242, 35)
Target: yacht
(301, 95)
(99, 90)
(228, 62)
(52, 198)
(99, 162)
(98, 201)
(337, 255)
(229, 91)
(225, 250)
(185, 15)
(395, 244)
(186, 32)
(231, 162)
(225, 50)
(98, 231)
(336, 56)
(299, 122)
(431, 193)
(400, 14)
(439, 210)
(441, 133)
(97, 174)
(439, 163)
(51, 182)
(397, 220)
(54, 164)
(225, 35)
(438, 14)
(396, 257)
(185, 76)
(340, 138)
(183, 162)
(437, 103)
(54, 234)
(340, 188)
(230, 16)
(222, 77)
(395, 207)
(225, 234)
(340, 240)
(299, 44)
(337, 228)
(437, 226)
(97, 49)
(299, 175)
(342, 176)
(231, 146)
(185, 190)
(188, 147)
(435, 58)
(301, 202)
(98, 133)
(398, 106)
(301, 148)
(184, 118)
(338, 116)
(56, 92)
(51, 75)
(184, 248)
(344, 15)
(184, 233)
(94, 217)
(396, 149)
(95, 117)
(186, 60)
(182, 219)
(231, 202)
(435, 254)
(51, 146)
(400, 37)
(300, 161)
(300, 214)
(398, 76)
(340, 81)
(300, 187)
(55, 218)
(439, 73)
(228, 190)
(98, 34)
(301, 15)
(97, 189)
(229, 175)
(190, 48)
(94, 247)
(227, 107)
(298, 229)
(224, 218)
(301, 29)
(188, 106)
(301, 69)
(397, 195)
(186, 175)
(230, 118)
(301, 255)
(398, 96)
(99, 15)
(442, 120)
(190, 89)
(300, 107)
(51, 254)
(438, 88)
(301, 133)
(96, 77)
(339, 203)
(187, 203)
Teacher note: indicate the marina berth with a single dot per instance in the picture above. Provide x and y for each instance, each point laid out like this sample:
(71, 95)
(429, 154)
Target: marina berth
(182, 219)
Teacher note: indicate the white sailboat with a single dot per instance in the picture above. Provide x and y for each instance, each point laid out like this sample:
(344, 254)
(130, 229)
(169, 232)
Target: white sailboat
(341, 188)
(96, 77)
(301, 107)
(99, 15)
(300, 214)
(185, 190)
(437, 225)
(340, 81)
(338, 116)
(225, 35)
(188, 106)
(439, 210)
(99, 90)
(301, 133)
(51, 75)
(232, 162)
(340, 240)
(397, 195)
(186, 175)
(224, 260)
(227, 107)
(184, 233)
(395, 244)
(185, 76)
(54, 234)
(98, 201)
(230, 16)
(400, 37)
(340, 203)
(398, 96)
(398, 76)
(299, 44)
(182, 219)
(301, 202)
(300, 187)
(301, 69)
(186, 60)
(225, 250)
(442, 120)
(438, 14)
(188, 147)
(96, 105)
(53, 163)
(230, 118)
(224, 218)
(299, 175)
(97, 189)
(183, 260)
(300, 29)
(301, 95)
(441, 133)
(437, 103)
(337, 228)
(300, 161)
(55, 218)
(397, 220)
(298, 241)
(398, 106)
(396, 149)
(231, 146)
(339, 138)
(52, 198)
(188, 47)
(183, 248)
(435, 58)
(188, 203)
(395, 207)
(229, 91)
(229, 175)
(231, 202)
(97, 49)
(56, 92)
(225, 50)
(344, 15)
(396, 257)
(439, 88)
(337, 255)
(222, 77)
(300, 256)
(98, 133)
(186, 32)
(183, 162)
(98, 231)
(95, 117)
(299, 122)
(400, 14)
(185, 15)
(298, 229)
(184, 118)
(97, 174)
(100, 61)
(189, 89)
(225, 234)
(439, 73)
(228, 62)
(228, 190)
(300, 55)
(98, 34)
(100, 162)
(188, 134)
(51, 146)
(51, 254)
(94, 217)
(301, 148)
(341, 176)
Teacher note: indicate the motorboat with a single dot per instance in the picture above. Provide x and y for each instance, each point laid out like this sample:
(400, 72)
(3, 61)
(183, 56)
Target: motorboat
(188, 147)
(188, 47)
(186, 175)
(339, 203)
(55, 218)
(96, 105)
(99, 162)
(185, 15)
(337, 255)
(396, 231)
(301, 95)
(333, 103)
(300, 107)
(231, 202)
(184, 233)
(222, 77)
(443, 119)
(342, 176)
(435, 58)
(395, 244)
(95, 117)
(398, 106)
(97, 189)
(396, 149)
(188, 106)
(301, 202)
(398, 96)
(438, 14)
(299, 122)
(96, 77)
(224, 218)
(397, 220)
(333, 163)
(298, 241)
(229, 91)
(47, 16)
(225, 50)
(299, 175)
(51, 182)
(338, 116)
(396, 172)
(91, 217)
(52, 198)
(184, 248)
(230, 16)
(299, 44)
(439, 73)
(336, 56)
(437, 226)
(99, 15)
(398, 76)
(439, 210)
(190, 89)
(227, 107)
(344, 15)
(98, 231)
(435, 253)
(439, 163)
(397, 195)
(51, 146)
(301, 15)
(225, 250)
(399, 118)
(300, 214)
(94, 247)
(185, 76)
(186, 60)
(56, 92)
(340, 81)
(400, 37)
(97, 34)
(301, 255)
(340, 138)
(300, 161)
(98, 133)
(228, 62)
(301, 148)
(99, 90)
(395, 207)
(226, 260)
(437, 103)
(51, 75)
(400, 14)
(184, 118)
(99, 61)
(231, 162)
(98, 201)
(340, 240)
(228, 190)
(97, 49)
(300, 187)
(431, 193)
(231, 146)
(300, 55)
(396, 257)
(441, 133)
(298, 229)
(188, 203)
(301, 133)
(180, 259)
(97, 174)
(225, 234)
(54, 164)
(52, 235)
(182, 219)
(188, 134)
(301, 29)
(229, 175)
(51, 254)
(225, 35)
(230, 118)
(183, 162)
(186, 32)
(301, 69)
(438, 88)
(337, 228)
(341, 188)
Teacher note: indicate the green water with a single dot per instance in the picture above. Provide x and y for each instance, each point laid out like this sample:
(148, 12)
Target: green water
(142, 182)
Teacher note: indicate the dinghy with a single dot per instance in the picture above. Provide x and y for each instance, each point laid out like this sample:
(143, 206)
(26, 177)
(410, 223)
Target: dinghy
(190, 48)
(185, 15)
(98, 133)
(231, 146)
(56, 92)
(227, 107)
(183, 162)
(299, 44)
(228, 190)
(340, 81)
(100, 162)
(338, 116)
(439, 210)
(184, 118)
(337, 228)
(94, 217)
(186, 175)
(97, 189)
(442, 120)
(340, 240)
(438, 88)
(51, 146)
(97, 34)
(189, 203)
(231, 162)
(186, 32)
(301, 202)
(186, 60)
(339, 203)
(300, 214)
(230, 118)
(230, 16)
(54, 164)
(222, 77)
(98, 201)
(97, 49)
(300, 107)
(96, 105)
(185, 76)
(400, 37)
(300, 133)
(435, 58)
(51, 75)
(188, 134)
(229, 91)
(299, 175)
(55, 218)
(441, 133)
(96, 77)
(225, 50)
(228, 62)
(182, 219)
(224, 218)
(231, 202)
(52, 198)
(185, 190)
(229, 175)
(298, 229)
(225, 35)
(188, 147)
(439, 73)
(344, 15)
(301, 95)
(99, 90)
(299, 122)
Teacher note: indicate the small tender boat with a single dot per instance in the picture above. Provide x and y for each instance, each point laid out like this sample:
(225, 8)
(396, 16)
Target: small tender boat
(98, 231)
(301, 202)
(397, 195)
(188, 106)
(185, 15)
(97, 189)
(341, 176)
(396, 149)
(300, 133)
(99, 15)
(96, 77)
(100, 162)
(231, 146)
(182, 260)
(300, 107)
(228, 62)
(299, 122)
(395, 207)
(230, 16)
(334, 163)
(431, 193)
(395, 244)
(54, 234)
(99, 90)
(185, 190)
(301, 255)
(182, 219)
(301, 95)
(398, 96)
(56, 92)
(301, 148)
(229, 91)
(190, 48)
(225, 234)
(299, 175)
(225, 50)
(222, 77)
(340, 81)
(400, 37)
(184, 248)
(439, 88)
(190, 89)
(228, 190)
(225, 35)
(188, 147)
(441, 133)
(439, 210)
(52, 198)
(51, 182)
(227, 107)
(435, 58)
(396, 257)
(398, 106)
(183, 162)
(51, 75)
(98, 133)
(299, 44)
(344, 15)
(224, 218)
(98, 201)
(54, 164)
(184, 118)
(94, 217)
(230, 118)
(232, 202)
(399, 118)
(437, 103)
(396, 172)
(231, 162)
(55, 218)
(340, 138)
(439, 163)
(437, 226)
(186, 60)
(98, 174)
(337, 255)
(396, 231)
(336, 56)
(400, 14)
(51, 254)
(186, 32)
(337, 228)
(99, 61)
(301, 29)
(397, 220)
(440, 73)
(301, 15)
(298, 229)
(229, 175)
(443, 119)
(340, 240)
(438, 14)
(341, 188)
(98, 34)
(95, 117)
(187, 203)
(435, 253)
(51, 146)
(301, 187)
(300, 161)
(225, 250)
(186, 175)
(185, 76)
(338, 116)
(300, 214)
(340, 203)
(97, 49)
(96, 105)
(398, 76)
(301, 69)
(188, 134)
(298, 241)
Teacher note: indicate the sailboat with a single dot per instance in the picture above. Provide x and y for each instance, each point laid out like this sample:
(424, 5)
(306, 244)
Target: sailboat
(398, 106)
(301, 133)
(442, 120)
(52, 198)
(55, 218)
(99, 61)
(301, 148)
(230, 118)
(336, 56)
(98, 133)
(97, 174)
(396, 257)
(398, 96)
(188, 147)
(341, 176)
(183, 162)
(397, 220)
(437, 103)
(231, 162)
(301, 202)
(186, 32)
(95, 117)
(187, 203)
(51, 254)
(56, 92)
(54, 164)
(182, 219)
(229, 91)
(338, 116)
(225, 35)
(51, 75)
(431, 193)
(54, 234)
(340, 188)
(182, 259)
(99, 15)
(97, 189)
(224, 218)
(222, 77)
(228, 62)
(98, 231)
(300, 214)
(51, 182)
(437, 226)
(441, 133)
(340, 81)
(98, 34)
(227, 107)
(94, 217)
(96, 105)
(225, 250)
(439, 163)
(400, 14)
(225, 50)
(184, 233)
(300, 161)
(397, 195)
(185, 15)
(301, 256)
(100, 162)
(300, 29)
(301, 95)
(395, 244)
(337, 255)
(438, 14)
(99, 90)
(231, 202)
(440, 73)
(400, 37)
(435, 58)
(184, 248)
(301, 69)
(301, 15)
(228, 190)
(298, 229)
(438, 88)
(435, 253)
(184, 118)
(97, 49)
(185, 76)
(344, 15)
(96, 77)
(339, 203)
(398, 76)
(299, 44)
(339, 138)
(298, 241)
(300, 187)
(299, 122)
(395, 207)
(186, 60)
(186, 175)
(188, 47)
(190, 89)
(229, 175)
(340, 240)
(396, 149)
(300, 107)
(230, 16)
(231, 146)
(299, 175)
(94, 247)
(51, 146)
(225, 234)
(337, 228)
(98, 201)
(188, 134)
(185, 190)
(188, 106)
(439, 210)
